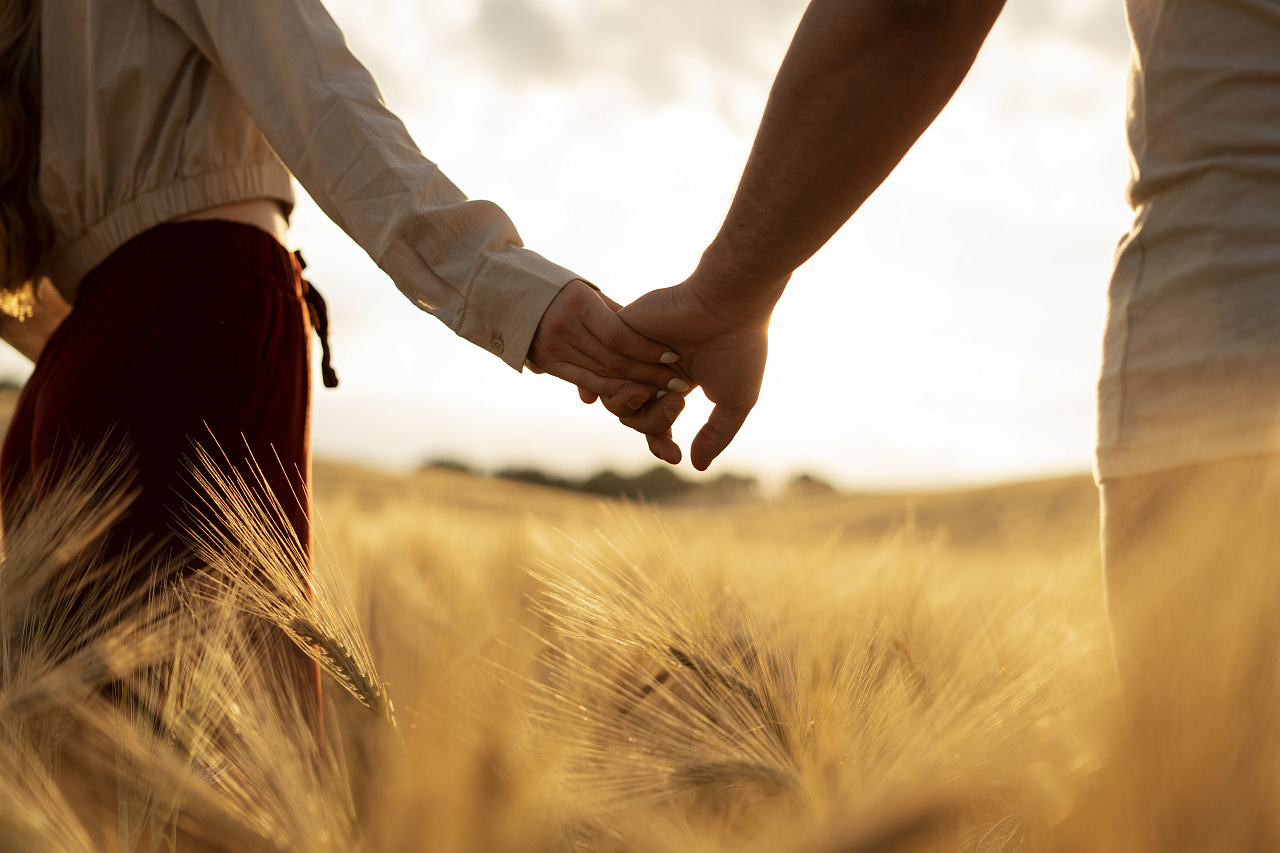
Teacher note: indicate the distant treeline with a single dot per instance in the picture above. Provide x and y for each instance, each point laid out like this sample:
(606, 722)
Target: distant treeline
(660, 484)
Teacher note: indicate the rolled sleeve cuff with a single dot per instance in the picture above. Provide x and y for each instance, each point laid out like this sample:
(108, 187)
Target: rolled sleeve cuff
(506, 301)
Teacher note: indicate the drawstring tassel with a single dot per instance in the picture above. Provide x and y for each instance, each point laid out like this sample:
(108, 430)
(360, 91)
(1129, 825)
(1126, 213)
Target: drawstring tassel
(320, 322)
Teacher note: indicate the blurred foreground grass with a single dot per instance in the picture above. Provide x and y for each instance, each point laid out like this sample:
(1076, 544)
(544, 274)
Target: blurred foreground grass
(789, 675)
(835, 673)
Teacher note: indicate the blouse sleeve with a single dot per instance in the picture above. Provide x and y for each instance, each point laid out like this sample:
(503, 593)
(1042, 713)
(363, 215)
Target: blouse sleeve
(459, 259)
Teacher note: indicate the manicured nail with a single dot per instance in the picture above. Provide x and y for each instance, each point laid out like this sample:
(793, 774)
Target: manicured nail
(669, 357)
(672, 412)
(635, 404)
(677, 384)
(659, 395)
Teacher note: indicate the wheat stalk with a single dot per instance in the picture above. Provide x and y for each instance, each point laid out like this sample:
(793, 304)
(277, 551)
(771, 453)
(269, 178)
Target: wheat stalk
(254, 557)
(344, 666)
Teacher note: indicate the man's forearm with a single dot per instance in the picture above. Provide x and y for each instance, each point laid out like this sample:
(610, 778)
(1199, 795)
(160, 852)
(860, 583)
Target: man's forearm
(859, 84)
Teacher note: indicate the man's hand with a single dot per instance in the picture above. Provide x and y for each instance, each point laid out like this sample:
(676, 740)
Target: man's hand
(815, 160)
(582, 341)
(722, 348)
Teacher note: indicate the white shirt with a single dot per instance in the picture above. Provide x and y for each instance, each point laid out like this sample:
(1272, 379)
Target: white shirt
(1191, 359)
(153, 109)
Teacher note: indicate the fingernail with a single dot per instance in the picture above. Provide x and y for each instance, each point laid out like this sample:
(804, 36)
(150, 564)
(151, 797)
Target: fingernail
(634, 404)
(677, 384)
(669, 357)
(672, 412)
(659, 395)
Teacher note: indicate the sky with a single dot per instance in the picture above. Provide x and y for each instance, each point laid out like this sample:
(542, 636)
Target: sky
(950, 333)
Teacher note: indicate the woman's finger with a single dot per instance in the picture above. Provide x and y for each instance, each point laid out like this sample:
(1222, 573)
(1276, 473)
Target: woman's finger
(593, 354)
(592, 383)
(587, 353)
(621, 398)
(629, 399)
(664, 447)
(656, 417)
(616, 336)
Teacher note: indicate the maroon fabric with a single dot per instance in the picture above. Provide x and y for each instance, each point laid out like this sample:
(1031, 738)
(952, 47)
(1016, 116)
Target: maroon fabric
(193, 331)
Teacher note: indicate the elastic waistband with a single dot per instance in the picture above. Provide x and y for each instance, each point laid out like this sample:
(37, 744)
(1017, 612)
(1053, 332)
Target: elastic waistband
(203, 248)
(76, 260)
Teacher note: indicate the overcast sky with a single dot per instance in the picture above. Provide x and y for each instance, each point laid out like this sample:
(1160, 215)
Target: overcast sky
(951, 332)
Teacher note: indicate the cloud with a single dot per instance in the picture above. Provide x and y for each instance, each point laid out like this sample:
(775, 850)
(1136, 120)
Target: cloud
(1096, 25)
(649, 45)
(645, 44)
(654, 49)
(523, 41)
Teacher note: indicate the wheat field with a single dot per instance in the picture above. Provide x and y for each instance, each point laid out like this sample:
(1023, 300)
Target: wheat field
(515, 668)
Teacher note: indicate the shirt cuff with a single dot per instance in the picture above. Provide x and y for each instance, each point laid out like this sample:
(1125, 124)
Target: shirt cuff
(506, 301)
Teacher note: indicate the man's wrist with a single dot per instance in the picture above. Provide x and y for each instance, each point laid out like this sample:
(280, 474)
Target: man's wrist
(729, 291)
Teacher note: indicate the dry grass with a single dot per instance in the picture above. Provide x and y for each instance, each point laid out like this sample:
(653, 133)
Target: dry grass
(836, 675)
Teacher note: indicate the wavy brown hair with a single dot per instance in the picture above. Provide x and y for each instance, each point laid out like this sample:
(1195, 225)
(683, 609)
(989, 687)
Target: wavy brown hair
(26, 233)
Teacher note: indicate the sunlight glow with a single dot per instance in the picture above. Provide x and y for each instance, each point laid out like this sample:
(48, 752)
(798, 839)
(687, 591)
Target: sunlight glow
(950, 333)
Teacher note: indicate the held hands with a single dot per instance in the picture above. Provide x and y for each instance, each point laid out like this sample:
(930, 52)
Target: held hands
(581, 340)
(722, 344)
(610, 353)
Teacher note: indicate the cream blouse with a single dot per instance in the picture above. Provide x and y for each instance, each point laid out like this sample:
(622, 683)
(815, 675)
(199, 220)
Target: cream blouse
(153, 109)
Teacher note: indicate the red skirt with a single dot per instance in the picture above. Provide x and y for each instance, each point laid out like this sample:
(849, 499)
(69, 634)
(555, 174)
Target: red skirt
(191, 332)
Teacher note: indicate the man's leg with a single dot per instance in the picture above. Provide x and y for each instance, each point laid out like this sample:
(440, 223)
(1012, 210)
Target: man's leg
(1192, 562)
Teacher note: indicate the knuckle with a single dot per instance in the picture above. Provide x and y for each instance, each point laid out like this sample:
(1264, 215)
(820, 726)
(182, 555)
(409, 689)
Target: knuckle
(558, 326)
(648, 422)
(576, 297)
(615, 337)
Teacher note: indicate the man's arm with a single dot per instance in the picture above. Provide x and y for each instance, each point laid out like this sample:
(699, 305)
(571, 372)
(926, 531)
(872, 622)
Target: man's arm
(861, 81)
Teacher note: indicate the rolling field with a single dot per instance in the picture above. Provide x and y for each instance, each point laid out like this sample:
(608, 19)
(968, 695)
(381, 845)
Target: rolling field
(757, 676)
(515, 668)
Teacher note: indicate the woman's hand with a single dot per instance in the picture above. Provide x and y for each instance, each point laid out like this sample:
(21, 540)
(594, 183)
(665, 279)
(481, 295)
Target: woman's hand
(582, 341)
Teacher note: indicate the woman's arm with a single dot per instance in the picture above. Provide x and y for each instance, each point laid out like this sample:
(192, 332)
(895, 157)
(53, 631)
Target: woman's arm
(459, 259)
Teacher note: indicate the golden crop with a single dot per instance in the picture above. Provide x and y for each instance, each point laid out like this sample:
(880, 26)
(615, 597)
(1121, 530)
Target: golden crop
(517, 669)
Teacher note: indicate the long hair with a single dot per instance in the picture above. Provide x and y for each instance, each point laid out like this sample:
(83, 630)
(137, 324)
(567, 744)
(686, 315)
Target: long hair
(26, 233)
